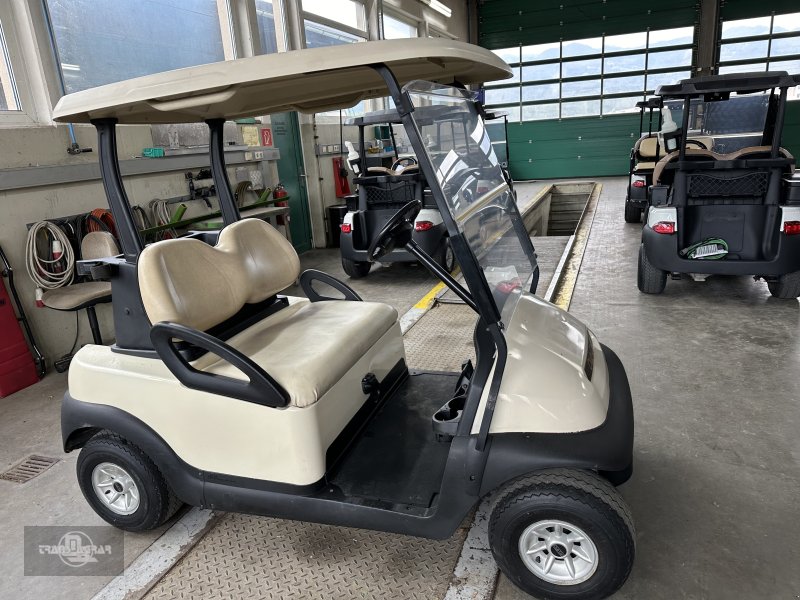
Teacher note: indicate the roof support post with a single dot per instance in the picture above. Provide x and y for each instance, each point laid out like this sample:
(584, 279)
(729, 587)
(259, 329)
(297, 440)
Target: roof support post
(227, 203)
(777, 131)
(707, 40)
(128, 232)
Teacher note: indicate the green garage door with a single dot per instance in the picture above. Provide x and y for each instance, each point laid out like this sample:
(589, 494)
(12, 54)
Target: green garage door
(580, 67)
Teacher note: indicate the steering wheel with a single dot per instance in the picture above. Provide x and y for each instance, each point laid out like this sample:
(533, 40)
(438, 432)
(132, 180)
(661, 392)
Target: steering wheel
(697, 143)
(396, 232)
(405, 162)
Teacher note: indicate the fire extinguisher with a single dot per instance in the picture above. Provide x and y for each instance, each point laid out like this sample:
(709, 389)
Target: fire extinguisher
(280, 192)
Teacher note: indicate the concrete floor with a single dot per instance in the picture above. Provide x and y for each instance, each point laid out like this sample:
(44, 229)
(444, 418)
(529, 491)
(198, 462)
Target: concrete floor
(713, 371)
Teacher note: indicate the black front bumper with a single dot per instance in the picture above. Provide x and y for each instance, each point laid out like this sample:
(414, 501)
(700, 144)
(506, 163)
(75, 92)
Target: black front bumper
(662, 252)
(607, 449)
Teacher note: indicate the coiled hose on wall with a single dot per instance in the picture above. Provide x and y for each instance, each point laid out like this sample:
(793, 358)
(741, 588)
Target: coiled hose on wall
(49, 270)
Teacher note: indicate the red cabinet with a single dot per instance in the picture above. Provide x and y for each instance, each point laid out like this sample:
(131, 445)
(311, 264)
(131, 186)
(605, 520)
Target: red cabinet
(17, 369)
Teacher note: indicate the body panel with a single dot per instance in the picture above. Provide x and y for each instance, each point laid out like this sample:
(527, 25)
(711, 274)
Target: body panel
(545, 387)
(224, 435)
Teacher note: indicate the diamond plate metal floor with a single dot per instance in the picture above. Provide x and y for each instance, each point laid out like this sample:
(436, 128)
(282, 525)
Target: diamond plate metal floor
(261, 558)
(442, 339)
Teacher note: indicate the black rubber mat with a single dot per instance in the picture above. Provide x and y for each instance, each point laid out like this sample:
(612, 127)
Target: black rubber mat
(397, 459)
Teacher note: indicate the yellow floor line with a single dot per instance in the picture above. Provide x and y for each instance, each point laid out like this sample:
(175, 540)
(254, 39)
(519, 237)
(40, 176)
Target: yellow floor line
(427, 300)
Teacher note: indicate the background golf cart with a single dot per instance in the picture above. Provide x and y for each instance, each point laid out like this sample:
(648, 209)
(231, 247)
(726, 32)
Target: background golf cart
(645, 153)
(338, 431)
(382, 191)
(722, 129)
(728, 208)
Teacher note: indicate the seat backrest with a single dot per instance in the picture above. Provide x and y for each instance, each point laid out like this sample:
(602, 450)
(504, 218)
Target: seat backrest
(691, 154)
(189, 282)
(742, 153)
(648, 147)
(98, 244)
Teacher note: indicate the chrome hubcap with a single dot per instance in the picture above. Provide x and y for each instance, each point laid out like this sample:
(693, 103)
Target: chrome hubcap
(449, 258)
(115, 488)
(558, 552)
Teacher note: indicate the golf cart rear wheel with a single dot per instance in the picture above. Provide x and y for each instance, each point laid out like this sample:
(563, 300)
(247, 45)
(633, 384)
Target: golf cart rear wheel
(445, 257)
(633, 213)
(563, 534)
(123, 485)
(356, 269)
(650, 279)
(787, 286)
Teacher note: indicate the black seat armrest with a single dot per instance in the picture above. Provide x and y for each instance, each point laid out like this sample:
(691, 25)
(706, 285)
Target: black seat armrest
(260, 389)
(98, 268)
(307, 278)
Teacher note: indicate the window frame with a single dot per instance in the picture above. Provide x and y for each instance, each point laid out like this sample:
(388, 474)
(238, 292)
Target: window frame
(397, 16)
(320, 20)
(24, 56)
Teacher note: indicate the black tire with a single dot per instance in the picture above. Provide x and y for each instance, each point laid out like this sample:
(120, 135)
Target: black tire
(157, 502)
(633, 213)
(787, 286)
(650, 279)
(356, 269)
(578, 499)
(445, 257)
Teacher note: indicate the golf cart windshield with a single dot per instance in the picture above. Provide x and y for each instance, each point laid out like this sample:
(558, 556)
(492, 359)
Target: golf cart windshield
(476, 192)
(734, 116)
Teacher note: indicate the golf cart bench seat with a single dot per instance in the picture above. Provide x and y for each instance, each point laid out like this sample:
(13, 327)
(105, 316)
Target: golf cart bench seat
(698, 154)
(306, 347)
(648, 151)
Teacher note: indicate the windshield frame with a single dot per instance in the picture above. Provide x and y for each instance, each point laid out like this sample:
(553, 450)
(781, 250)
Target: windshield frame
(470, 262)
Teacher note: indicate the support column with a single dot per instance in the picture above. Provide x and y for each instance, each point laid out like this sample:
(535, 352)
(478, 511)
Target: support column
(128, 232)
(227, 203)
(707, 38)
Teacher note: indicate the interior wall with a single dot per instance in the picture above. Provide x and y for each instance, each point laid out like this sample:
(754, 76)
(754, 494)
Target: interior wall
(46, 146)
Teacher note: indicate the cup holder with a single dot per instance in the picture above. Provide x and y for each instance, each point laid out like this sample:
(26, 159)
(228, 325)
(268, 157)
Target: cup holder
(446, 419)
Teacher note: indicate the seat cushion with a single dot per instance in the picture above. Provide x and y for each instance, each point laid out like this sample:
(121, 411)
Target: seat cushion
(78, 295)
(308, 347)
(644, 166)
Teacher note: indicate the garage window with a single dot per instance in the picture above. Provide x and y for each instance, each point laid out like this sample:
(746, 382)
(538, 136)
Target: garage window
(266, 26)
(104, 42)
(590, 77)
(395, 28)
(333, 22)
(770, 43)
(9, 97)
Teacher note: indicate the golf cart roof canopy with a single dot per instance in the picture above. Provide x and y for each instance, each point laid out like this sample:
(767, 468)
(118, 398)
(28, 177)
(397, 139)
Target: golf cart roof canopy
(742, 83)
(311, 80)
(378, 117)
(653, 102)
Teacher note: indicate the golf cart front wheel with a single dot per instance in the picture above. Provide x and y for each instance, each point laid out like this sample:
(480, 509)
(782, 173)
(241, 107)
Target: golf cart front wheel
(650, 279)
(787, 286)
(356, 269)
(633, 213)
(563, 534)
(123, 486)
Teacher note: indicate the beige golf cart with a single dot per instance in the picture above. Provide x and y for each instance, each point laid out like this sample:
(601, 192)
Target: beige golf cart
(222, 392)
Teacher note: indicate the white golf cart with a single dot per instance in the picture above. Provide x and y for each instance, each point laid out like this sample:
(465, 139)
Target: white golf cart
(220, 392)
